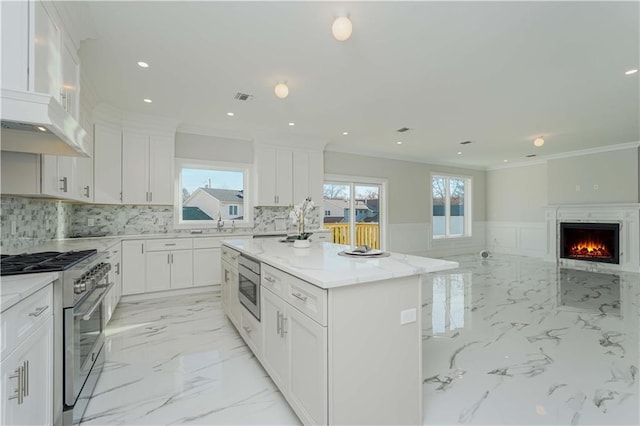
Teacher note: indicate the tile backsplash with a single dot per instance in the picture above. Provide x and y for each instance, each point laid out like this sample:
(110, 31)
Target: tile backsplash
(39, 220)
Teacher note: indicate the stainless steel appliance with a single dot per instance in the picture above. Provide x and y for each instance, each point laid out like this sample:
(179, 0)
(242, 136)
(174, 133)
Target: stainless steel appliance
(78, 322)
(249, 284)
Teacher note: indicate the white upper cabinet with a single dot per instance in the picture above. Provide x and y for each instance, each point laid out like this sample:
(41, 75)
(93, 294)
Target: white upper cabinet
(15, 44)
(70, 90)
(287, 176)
(47, 41)
(147, 168)
(107, 165)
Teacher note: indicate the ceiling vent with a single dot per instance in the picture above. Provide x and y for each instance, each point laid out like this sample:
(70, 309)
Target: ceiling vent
(403, 129)
(530, 155)
(243, 96)
(465, 143)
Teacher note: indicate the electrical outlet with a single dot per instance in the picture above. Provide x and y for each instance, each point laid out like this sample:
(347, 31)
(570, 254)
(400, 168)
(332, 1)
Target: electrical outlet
(161, 221)
(578, 188)
(408, 316)
(91, 222)
(14, 227)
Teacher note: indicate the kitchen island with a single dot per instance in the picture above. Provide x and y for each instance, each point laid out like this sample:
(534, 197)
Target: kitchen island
(340, 336)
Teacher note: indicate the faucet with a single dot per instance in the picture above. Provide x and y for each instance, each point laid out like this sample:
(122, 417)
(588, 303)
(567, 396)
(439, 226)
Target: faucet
(220, 224)
(233, 226)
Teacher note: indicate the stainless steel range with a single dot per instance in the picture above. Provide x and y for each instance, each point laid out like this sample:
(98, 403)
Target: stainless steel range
(78, 322)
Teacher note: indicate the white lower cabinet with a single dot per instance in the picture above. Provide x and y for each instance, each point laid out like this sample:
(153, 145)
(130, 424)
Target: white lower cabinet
(295, 356)
(169, 269)
(206, 266)
(112, 298)
(134, 269)
(27, 363)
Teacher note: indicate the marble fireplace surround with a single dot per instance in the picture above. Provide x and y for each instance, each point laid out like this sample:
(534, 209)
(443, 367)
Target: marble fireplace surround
(627, 215)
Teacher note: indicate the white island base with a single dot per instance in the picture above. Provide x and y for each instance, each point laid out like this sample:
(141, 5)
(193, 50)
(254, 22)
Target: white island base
(340, 337)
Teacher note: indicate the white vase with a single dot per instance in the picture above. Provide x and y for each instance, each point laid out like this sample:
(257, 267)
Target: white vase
(301, 243)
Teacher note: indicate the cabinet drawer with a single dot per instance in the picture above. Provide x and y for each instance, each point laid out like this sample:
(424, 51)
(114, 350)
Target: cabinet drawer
(230, 255)
(251, 332)
(274, 279)
(19, 321)
(207, 242)
(169, 244)
(308, 299)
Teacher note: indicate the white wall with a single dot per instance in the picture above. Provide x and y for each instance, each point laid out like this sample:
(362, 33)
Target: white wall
(213, 148)
(607, 177)
(409, 193)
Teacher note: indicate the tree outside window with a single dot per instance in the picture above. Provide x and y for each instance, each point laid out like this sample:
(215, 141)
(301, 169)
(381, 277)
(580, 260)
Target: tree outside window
(450, 199)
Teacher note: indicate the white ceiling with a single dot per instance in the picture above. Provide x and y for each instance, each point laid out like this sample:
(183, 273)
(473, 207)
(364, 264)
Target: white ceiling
(496, 73)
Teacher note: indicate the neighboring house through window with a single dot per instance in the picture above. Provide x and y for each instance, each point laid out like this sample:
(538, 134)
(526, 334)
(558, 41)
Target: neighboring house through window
(210, 191)
(451, 206)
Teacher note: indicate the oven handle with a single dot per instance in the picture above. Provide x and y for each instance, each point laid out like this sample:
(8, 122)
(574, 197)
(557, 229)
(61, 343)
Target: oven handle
(86, 315)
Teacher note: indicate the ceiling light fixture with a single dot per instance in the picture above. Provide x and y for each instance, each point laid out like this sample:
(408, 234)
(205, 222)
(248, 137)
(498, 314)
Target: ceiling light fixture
(143, 64)
(345, 133)
(506, 161)
(281, 90)
(399, 142)
(230, 114)
(147, 100)
(631, 72)
(42, 129)
(459, 152)
(538, 142)
(342, 28)
(292, 124)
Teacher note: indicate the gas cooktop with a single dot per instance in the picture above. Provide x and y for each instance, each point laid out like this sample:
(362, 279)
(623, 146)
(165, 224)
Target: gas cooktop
(48, 261)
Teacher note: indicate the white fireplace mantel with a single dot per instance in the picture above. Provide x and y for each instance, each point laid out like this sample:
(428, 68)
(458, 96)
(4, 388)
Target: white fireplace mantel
(627, 215)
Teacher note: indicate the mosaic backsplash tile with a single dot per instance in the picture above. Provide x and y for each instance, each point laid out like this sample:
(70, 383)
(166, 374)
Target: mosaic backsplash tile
(39, 220)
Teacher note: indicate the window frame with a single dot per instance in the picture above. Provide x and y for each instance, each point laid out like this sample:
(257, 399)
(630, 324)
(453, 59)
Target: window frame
(468, 200)
(246, 169)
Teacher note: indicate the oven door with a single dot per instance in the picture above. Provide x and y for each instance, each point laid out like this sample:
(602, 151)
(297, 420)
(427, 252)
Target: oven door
(83, 339)
(249, 290)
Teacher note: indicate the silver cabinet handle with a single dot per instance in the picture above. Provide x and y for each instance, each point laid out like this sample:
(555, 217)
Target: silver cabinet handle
(172, 258)
(169, 244)
(142, 247)
(278, 326)
(150, 196)
(38, 311)
(299, 296)
(25, 389)
(247, 329)
(268, 278)
(118, 268)
(168, 257)
(284, 326)
(17, 392)
(64, 183)
(86, 191)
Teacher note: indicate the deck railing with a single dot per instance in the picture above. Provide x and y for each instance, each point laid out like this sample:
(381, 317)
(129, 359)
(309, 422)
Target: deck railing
(366, 233)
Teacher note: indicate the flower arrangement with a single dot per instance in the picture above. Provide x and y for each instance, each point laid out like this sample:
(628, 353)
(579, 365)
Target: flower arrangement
(297, 214)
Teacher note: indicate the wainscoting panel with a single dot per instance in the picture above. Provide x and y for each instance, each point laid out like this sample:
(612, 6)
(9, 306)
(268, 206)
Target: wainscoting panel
(520, 238)
(415, 238)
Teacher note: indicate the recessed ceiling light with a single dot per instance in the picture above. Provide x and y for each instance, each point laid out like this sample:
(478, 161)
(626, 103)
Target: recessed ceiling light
(506, 161)
(342, 28)
(631, 72)
(42, 129)
(281, 90)
(147, 100)
(459, 152)
(143, 64)
(345, 133)
(230, 114)
(399, 142)
(538, 142)
(292, 124)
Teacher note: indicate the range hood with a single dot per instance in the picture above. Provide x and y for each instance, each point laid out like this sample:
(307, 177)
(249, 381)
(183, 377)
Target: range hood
(37, 123)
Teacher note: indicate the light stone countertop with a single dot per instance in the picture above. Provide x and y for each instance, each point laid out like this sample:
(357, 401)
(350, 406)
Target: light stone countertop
(15, 288)
(321, 265)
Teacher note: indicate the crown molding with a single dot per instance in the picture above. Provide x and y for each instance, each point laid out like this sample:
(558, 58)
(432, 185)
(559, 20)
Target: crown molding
(219, 133)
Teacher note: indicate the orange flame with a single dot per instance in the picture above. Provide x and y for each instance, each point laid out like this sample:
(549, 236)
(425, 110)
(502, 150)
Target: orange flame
(589, 248)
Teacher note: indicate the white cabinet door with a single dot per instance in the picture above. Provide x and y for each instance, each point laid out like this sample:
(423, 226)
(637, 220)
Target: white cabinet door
(161, 159)
(307, 366)
(135, 168)
(158, 270)
(134, 267)
(181, 268)
(275, 347)
(234, 302)
(47, 41)
(206, 266)
(300, 179)
(266, 176)
(58, 176)
(34, 356)
(107, 164)
(225, 278)
(15, 44)
(284, 177)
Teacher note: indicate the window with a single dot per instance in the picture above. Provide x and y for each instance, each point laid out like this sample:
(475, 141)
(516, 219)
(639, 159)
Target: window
(207, 192)
(451, 206)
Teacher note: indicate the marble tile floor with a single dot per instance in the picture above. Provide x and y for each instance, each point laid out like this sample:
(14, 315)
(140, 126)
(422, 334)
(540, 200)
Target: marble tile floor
(506, 341)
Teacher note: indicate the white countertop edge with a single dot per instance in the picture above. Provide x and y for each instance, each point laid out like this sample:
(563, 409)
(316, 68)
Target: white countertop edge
(14, 288)
(397, 265)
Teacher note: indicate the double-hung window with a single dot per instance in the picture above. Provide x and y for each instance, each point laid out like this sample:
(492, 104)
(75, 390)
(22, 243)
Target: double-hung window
(208, 192)
(451, 206)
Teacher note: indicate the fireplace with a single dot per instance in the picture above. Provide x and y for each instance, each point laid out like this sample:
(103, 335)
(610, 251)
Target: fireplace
(595, 242)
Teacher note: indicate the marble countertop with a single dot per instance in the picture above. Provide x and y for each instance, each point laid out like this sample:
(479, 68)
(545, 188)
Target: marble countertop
(321, 265)
(15, 288)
